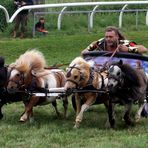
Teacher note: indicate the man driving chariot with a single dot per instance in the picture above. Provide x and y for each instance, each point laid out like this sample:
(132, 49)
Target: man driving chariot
(114, 40)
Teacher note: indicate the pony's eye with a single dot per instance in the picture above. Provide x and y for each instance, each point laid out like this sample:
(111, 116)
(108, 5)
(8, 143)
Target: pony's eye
(18, 75)
(118, 73)
(75, 77)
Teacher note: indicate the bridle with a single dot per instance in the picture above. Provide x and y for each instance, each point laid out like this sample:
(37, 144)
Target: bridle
(119, 79)
(19, 82)
(69, 74)
(89, 84)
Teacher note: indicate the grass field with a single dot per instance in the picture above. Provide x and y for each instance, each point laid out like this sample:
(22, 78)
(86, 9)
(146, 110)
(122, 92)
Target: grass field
(48, 131)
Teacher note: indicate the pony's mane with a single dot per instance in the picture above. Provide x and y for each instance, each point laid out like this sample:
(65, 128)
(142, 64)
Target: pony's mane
(131, 74)
(79, 61)
(30, 60)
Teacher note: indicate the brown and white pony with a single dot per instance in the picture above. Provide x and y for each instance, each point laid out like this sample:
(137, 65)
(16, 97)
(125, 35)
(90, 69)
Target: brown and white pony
(28, 73)
(80, 75)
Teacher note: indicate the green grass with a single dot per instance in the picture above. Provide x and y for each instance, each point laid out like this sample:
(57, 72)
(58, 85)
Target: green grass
(59, 48)
(49, 131)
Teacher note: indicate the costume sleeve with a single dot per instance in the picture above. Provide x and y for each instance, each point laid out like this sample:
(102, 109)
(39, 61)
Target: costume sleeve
(131, 46)
(92, 46)
(95, 45)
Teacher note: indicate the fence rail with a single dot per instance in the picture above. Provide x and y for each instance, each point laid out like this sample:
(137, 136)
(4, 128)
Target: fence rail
(64, 6)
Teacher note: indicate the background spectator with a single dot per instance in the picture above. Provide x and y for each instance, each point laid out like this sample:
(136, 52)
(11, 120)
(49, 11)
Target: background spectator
(39, 26)
(22, 17)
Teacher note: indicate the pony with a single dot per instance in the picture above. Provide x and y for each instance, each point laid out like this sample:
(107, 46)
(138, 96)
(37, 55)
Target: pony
(29, 73)
(5, 97)
(81, 75)
(127, 85)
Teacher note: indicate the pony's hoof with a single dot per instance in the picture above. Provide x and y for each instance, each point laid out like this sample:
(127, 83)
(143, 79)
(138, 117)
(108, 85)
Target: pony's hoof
(22, 120)
(76, 126)
(137, 118)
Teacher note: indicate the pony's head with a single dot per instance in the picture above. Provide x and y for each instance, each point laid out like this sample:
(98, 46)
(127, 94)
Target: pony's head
(16, 80)
(20, 71)
(121, 73)
(77, 74)
(115, 76)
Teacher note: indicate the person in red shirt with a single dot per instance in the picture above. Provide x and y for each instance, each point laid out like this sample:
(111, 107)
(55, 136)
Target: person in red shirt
(40, 26)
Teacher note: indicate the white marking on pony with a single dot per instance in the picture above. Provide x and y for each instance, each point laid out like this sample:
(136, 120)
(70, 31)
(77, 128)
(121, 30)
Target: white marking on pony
(51, 81)
(112, 82)
(116, 69)
(91, 63)
(138, 114)
(13, 73)
(106, 82)
(84, 108)
(99, 83)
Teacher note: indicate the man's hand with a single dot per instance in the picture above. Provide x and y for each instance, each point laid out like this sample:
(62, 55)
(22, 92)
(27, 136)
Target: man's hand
(122, 48)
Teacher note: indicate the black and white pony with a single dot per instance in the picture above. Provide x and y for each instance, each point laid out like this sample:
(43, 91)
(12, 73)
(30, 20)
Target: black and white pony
(127, 85)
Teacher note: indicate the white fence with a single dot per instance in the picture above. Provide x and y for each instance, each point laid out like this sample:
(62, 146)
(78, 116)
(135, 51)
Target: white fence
(64, 6)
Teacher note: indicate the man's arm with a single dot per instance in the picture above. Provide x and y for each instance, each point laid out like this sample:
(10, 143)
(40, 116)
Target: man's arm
(90, 47)
(141, 49)
(133, 49)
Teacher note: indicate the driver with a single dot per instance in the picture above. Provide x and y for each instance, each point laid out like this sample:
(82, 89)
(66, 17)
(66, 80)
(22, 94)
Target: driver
(114, 40)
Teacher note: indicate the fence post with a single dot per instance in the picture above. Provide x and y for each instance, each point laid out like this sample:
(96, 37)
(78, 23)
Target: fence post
(60, 18)
(88, 22)
(147, 18)
(137, 19)
(120, 16)
(92, 15)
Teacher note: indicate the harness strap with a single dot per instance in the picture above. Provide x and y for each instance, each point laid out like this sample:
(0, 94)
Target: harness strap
(102, 81)
(91, 77)
(72, 82)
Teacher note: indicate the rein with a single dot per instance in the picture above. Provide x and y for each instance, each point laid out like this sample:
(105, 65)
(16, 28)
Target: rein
(110, 58)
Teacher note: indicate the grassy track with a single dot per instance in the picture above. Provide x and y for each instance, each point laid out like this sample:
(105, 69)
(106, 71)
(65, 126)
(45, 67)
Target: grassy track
(51, 132)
